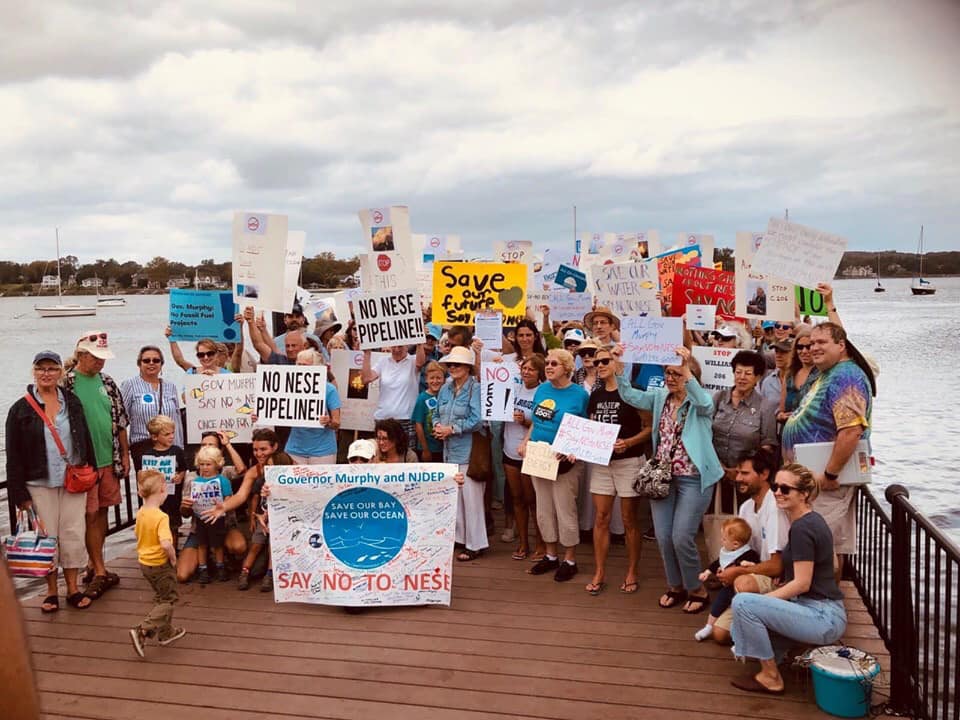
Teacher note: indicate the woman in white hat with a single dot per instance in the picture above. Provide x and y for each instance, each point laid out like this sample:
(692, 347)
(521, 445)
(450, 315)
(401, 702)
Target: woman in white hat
(457, 418)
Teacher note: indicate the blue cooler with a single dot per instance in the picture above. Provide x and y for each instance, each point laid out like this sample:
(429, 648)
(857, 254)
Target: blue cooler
(843, 680)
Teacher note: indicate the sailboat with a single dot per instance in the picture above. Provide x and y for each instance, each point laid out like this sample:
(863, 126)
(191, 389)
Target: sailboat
(918, 285)
(879, 287)
(109, 300)
(62, 309)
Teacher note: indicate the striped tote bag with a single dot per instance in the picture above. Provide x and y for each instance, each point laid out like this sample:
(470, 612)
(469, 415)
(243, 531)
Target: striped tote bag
(30, 551)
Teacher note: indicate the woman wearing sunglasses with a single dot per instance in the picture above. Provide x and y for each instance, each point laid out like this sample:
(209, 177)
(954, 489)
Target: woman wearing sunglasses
(808, 607)
(208, 354)
(683, 438)
(146, 395)
(801, 373)
(586, 376)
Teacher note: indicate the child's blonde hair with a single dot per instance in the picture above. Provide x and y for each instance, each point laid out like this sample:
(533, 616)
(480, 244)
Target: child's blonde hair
(738, 529)
(208, 453)
(150, 482)
(158, 424)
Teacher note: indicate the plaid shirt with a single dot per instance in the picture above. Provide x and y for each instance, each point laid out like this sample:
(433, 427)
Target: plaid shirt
(118, 414)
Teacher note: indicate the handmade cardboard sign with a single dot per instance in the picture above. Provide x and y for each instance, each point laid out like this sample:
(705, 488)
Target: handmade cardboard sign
(565, 305)
(627, 288)
(357, 401)
(362, 535)
(260, 261)
(222, 403)
(759, 297)
(388, 261)
(389, 319)
(498, 383)
(704, 242)
(570, 278)
(199, 314)
(460, 289)
(517, 251)
(701, 317)
(703, 286)
(587, 440)
(810, 302)
(436, 247)
(540, 461)
(651, 340)
(291, 395)
(488, 325)
(716, 373)
(205, 493)
(800, 254)
(667, 264)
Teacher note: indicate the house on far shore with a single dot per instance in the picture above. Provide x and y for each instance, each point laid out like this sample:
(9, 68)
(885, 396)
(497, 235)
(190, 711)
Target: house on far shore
(49, 281)
(93, 282)
(858, 271)
(178, 283)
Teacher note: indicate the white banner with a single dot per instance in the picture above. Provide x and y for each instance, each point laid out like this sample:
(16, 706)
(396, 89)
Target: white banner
(652, 340)
(627, 288)
(716, 373)
(803, 255)
(291, 395)
(498, 384)
(222, 403)
(362, 535)
(587, 440)
(389, 319)
(260, 261)
(357, 401)
(759, 297)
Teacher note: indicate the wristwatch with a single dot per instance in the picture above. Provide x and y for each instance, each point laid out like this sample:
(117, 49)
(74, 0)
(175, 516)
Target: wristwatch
(829, 475)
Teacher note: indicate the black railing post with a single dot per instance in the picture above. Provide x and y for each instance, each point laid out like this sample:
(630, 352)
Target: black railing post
(902, 638)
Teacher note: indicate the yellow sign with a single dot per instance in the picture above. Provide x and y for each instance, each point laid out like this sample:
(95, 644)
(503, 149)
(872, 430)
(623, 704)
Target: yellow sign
(461, 289)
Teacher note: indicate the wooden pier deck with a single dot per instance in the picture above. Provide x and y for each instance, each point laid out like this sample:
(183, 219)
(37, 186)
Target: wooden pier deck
(510, 646)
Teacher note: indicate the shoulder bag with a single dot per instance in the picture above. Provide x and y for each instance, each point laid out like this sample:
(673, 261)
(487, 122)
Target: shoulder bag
(78, 478)
(654, 477)
(30, 551)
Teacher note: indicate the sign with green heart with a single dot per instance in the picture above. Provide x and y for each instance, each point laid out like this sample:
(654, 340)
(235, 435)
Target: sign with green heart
(461, 289)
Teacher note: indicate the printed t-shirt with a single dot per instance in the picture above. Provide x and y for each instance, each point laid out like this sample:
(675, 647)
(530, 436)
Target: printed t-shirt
(315, 442)
(550, 404)
(770, 526)
(96, 410)
(154, 461)
(398, 388)
(514, 433)
(607, 406)
(423, 412)
(152, 527)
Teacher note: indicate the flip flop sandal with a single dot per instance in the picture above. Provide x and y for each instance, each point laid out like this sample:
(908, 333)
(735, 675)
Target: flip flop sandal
(52, 600)
(468, 555)
(674, 599)
(596, 588)
(76, 598)
(520, 554)
(97, 587)
(751, 684)
(536, 557)
(629, 588)
(702, 600)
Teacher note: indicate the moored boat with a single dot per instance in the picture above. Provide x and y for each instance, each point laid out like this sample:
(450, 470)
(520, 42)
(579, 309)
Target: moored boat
(919, 286)
(62, 309)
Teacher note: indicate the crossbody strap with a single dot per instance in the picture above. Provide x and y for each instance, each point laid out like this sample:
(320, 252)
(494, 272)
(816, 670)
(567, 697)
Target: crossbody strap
(50, 426)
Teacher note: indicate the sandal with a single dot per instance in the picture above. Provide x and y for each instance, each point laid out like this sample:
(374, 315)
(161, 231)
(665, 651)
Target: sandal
(53, 603)
(701, 601)
(595, 588)
(629, 588)
(74, 600)
(97, 587)
(520, 554)
(112, 580)
(674, 598)
(87, 576)
(468, 555)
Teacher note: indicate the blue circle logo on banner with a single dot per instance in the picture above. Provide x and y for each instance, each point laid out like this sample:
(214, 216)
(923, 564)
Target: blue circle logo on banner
(364, 527)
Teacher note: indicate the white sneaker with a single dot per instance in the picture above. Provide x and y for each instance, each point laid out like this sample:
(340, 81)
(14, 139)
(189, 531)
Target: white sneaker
(138, 639)
(508, 535)
(177, 634)
(703, 633)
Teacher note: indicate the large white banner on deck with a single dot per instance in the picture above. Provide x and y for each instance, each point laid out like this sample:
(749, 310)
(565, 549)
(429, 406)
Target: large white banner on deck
(362, 535)
(221, 403)
(357, 401)
(260, 261)
(758, 296)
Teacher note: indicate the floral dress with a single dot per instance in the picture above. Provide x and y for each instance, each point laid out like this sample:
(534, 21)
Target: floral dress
(670, 448)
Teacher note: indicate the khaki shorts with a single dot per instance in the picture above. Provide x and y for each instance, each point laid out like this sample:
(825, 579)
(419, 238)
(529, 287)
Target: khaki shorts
(62, 515)
(617, 478)
(106, 493)
(764, 582)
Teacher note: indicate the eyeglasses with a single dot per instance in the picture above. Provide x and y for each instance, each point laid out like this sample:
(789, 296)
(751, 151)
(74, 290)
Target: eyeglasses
(383, 438)
(783, 489)
(783, 326)
(602, 361)
(553, 363)
(801, 348)
(94, 338)
(47, 370)
(206, 354)
(587, 353)
(151, 361)
(672, 374)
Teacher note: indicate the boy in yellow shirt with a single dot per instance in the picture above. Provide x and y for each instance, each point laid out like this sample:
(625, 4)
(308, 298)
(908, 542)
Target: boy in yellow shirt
(158, 562)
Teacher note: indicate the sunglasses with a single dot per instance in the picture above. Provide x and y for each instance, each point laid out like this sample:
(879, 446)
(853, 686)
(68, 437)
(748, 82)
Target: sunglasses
(783, 489)
(153, 361)
(206, 354)
(781, 326)
(587, 353)
(553, 363)
(800, 347)
(602, 362)
(94, 338)
(358, 460)
(571, 343)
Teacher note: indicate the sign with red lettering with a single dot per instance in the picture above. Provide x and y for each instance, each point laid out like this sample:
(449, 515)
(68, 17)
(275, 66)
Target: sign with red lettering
(362, 535)
(704, 286)
(667, 264)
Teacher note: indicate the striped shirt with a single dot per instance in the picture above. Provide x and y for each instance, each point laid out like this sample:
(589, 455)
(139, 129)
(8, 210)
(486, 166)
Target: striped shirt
(143, 402)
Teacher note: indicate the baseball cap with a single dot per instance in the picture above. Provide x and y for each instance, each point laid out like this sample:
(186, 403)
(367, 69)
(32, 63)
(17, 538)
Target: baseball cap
(361, 448)
(47, 355)
(95, 343)
(574, 335)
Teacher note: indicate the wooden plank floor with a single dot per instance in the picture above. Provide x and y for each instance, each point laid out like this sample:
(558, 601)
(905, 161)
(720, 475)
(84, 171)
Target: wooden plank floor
(510, 646)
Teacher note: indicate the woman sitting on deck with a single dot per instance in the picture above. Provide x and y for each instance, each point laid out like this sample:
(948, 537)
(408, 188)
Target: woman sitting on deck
(808, 606)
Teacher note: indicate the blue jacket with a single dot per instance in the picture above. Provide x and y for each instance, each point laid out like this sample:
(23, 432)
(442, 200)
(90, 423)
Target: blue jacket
(697, 432)
(462, 412)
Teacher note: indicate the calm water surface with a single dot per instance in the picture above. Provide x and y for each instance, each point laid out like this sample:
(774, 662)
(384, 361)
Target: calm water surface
(916, 434)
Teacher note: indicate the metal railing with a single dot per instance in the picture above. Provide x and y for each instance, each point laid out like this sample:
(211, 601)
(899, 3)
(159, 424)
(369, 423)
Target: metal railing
(908, 574)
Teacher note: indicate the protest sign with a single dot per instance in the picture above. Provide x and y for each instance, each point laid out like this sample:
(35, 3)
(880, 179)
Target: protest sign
(759, 297)
(389, 319)
(291, 395)
(810, 302)
(498, 383)
(591, 243)
(797, 253)
(205, 493)
(221, 403)
(627, 288)
(701, 241)
(570, 278)
(165, 464)
(544, 272)
(701, 317)
(704, 286)
(260, 261)
(587, 440)
(388, 261)
(518, 251)
(565, 305)
(460, 289)
(651, 340)
(489, 328)
(199, 314)
(357, 401)
(436, 247)
(667, 264)
(540, 461)
(296, 241)
(362, 535)
(716, 373)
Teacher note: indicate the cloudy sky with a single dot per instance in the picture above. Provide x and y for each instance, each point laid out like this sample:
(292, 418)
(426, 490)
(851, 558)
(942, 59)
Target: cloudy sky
(138, 127)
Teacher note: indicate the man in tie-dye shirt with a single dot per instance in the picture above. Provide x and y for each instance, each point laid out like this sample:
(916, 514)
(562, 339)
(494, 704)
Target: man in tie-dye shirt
(836, 409)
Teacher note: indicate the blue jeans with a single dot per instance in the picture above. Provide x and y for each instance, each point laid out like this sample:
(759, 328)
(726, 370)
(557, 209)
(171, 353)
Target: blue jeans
(764, 627)
(676, 519)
